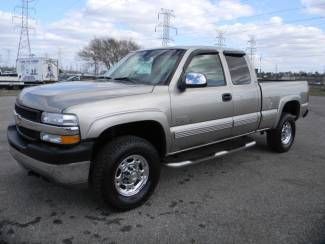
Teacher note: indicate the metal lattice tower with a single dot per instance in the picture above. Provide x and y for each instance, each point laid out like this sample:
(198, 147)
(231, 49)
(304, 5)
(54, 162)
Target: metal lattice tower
(24, 49)
(252, 50)
(221, 40)
(164, 18)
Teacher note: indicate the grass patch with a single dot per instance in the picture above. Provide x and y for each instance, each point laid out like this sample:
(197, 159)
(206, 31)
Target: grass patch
(317, 91)
(5, 92)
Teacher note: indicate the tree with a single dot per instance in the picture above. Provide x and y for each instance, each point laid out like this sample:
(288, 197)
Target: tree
(107, 51)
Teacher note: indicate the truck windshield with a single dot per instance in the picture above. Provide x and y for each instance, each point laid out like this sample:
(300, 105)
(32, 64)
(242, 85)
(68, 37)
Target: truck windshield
(150, 67)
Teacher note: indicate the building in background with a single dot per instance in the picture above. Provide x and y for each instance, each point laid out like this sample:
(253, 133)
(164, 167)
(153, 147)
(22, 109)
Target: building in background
(37, 70)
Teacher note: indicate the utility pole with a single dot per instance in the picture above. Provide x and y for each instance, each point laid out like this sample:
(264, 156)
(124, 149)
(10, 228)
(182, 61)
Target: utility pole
(24, 49)
(164, 24)
(252, 49)
(276, 70)
(221, 40)
(8, 57)
(60, 58)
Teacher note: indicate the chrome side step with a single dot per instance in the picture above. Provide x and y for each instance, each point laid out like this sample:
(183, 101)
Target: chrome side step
(210, 157)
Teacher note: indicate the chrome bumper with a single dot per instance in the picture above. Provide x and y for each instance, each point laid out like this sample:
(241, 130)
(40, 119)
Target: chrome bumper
(74, 173)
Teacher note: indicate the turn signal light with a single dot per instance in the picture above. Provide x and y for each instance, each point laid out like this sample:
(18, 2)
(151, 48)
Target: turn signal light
(58, 139)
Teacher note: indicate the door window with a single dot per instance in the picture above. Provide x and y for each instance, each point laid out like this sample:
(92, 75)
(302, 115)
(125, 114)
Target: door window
(210, 66)
(238, 69)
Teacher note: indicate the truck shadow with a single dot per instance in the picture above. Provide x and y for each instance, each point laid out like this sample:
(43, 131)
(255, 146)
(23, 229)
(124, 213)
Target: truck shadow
(46, 204)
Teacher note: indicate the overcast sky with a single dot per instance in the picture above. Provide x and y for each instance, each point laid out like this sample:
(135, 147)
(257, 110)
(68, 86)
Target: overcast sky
(289, 33)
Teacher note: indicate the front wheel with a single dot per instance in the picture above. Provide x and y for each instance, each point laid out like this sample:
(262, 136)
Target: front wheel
(282, 137)
(126, 172)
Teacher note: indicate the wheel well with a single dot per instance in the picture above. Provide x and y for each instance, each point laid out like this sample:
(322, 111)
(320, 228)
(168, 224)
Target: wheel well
(292, 107)
(149, 130)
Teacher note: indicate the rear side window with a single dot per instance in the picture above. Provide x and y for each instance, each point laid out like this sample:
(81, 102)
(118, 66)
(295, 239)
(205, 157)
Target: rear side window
(209, 65)
(238, 69)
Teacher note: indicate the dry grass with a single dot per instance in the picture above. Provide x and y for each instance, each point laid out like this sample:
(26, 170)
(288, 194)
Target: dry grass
(317, 91)
(5, 92)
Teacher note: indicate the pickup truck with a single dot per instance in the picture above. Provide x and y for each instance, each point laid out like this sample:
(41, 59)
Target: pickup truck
(156, 107)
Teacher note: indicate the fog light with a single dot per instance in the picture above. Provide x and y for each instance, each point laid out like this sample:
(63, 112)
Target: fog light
(57, 139)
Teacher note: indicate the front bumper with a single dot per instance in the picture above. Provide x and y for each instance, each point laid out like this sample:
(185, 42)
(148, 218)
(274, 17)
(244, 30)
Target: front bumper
(304, 110)
(61, 165)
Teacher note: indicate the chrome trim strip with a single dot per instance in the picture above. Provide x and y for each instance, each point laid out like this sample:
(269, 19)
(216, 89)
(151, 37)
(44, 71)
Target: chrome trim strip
(245, 119)
(20, 121)
(215, 142)
(201, 127)
(202, 130)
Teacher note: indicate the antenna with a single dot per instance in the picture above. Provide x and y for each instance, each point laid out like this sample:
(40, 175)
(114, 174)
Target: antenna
(24, 49)
(165, 26)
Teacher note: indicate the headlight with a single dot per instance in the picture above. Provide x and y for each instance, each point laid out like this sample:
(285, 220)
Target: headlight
(57, 139)
(59, 119)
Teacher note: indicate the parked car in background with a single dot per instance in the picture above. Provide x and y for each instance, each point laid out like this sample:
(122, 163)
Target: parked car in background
(157, 107)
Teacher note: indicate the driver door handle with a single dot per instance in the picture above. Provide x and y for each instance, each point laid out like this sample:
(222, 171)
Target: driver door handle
(226, 97)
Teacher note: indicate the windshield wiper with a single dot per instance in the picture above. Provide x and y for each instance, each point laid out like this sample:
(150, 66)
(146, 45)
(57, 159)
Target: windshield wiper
(128, 79)
(104, 78)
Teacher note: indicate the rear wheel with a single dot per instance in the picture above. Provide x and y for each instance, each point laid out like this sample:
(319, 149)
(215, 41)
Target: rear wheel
(126, 172)
(282, 137)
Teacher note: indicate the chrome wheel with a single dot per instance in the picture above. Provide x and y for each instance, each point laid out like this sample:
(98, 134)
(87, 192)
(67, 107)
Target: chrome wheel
(286, 133)
(131, 175)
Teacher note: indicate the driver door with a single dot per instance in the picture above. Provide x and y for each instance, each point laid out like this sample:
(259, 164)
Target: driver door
(202, 115)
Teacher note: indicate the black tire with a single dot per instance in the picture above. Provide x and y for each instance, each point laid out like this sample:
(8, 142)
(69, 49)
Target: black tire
(274, 140)
(106, 163)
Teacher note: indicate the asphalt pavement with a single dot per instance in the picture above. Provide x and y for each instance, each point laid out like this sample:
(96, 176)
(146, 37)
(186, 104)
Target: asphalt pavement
(253, 196)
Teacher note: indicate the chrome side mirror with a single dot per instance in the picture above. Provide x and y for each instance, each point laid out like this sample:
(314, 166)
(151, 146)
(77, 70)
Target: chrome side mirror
(195, 80)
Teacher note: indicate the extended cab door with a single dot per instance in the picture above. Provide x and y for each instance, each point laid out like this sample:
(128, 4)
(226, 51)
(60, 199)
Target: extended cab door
(202, 115)
(245, 92)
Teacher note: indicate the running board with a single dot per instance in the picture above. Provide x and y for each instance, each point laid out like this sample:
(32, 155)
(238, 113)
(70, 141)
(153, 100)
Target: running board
(210, 157)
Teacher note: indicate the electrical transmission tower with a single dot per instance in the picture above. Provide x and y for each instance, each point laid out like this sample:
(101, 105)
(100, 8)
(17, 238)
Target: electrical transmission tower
(164, 19)
(252, 50)
(22, 13)
(221, 40)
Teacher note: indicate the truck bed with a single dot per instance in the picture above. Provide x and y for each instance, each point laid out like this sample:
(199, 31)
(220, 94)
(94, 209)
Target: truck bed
(276, 93)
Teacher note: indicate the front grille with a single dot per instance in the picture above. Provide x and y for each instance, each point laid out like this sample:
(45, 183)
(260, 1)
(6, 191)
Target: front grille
(28, 133)
(28, 113)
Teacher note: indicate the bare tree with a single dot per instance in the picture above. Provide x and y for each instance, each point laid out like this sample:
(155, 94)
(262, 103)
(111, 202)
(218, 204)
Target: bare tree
(107, 51)
(92, 53)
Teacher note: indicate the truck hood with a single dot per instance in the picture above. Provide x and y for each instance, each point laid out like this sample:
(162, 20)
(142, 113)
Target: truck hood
(59, 96)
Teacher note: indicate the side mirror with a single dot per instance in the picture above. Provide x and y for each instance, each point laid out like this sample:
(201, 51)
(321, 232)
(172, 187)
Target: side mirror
(193, 80)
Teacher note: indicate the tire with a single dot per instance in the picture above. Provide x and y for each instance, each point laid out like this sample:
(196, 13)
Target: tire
(274, 137)
(110, 164)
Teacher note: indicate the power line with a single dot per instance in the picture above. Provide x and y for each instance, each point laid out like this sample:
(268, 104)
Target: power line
(165, 26)
(252, 49)
(24, 48)
(8, 57)
(272, 24)
(221, 40)
(283, 11)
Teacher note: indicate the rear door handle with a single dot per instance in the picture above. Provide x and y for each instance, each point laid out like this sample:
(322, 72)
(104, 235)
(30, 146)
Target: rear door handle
(226, 97)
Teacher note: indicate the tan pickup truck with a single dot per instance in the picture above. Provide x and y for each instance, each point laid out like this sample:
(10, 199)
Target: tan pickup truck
(156, 107)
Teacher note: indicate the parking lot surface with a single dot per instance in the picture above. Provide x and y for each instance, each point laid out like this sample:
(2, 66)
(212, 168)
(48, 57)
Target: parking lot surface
(254, 196)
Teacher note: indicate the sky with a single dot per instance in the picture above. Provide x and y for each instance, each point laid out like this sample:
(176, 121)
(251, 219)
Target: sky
(290, 34)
